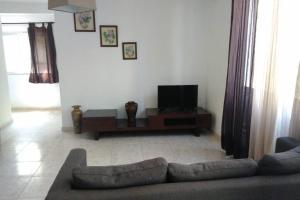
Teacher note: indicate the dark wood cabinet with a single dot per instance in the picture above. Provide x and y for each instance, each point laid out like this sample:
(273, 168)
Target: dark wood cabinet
(100, 121)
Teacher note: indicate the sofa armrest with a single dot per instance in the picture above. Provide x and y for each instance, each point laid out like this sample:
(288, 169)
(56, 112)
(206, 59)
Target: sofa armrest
(62, 182)
(286, 144)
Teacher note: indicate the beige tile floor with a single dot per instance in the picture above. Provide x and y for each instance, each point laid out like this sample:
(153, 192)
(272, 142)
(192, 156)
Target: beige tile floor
(33, 149)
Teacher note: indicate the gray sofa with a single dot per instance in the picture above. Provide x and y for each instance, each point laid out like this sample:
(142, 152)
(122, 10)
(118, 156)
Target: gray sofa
(258, 187)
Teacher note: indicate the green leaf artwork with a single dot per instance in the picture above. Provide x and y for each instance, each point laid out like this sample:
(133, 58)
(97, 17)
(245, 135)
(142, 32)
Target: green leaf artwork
(109, 36)
(85, 19)
(129, 51)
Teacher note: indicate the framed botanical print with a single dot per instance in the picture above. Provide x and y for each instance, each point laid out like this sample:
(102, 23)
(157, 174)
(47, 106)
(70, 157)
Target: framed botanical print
(109, 36)
(85, 21)
(129, 50)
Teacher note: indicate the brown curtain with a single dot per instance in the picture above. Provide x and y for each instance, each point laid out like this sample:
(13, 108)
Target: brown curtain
(238, 96)
(43, 54)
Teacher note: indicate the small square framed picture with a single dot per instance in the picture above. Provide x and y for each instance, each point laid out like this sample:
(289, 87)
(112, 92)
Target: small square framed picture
(85, 22)
(109, 36)
(129, 50)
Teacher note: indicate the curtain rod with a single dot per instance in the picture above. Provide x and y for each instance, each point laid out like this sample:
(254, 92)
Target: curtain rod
(29, 23)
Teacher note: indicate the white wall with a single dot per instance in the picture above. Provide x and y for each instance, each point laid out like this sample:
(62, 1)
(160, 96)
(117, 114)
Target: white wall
(179, 42)
(5, 108)
(219, 12)
(31, 96)
(170, 36)
(9, 6)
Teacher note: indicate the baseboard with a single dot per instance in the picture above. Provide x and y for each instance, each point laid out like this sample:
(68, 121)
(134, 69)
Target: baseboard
(217, 135)
(6, 124)
(67, 129)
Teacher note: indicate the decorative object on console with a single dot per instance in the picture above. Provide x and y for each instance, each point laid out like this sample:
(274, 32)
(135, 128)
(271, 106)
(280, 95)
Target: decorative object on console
(72, 6)
(76, 117)
(109, 36)
(129, 50)
(85, 21)
(131, 109)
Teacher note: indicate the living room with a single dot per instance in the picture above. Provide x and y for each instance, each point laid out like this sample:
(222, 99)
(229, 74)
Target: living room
(237, 69)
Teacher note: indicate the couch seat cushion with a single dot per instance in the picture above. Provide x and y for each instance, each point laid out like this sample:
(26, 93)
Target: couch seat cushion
(143, 173)
(211, 170)
(280, 163)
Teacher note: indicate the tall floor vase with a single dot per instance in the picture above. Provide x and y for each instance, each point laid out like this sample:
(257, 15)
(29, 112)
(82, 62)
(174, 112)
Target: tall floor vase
(76, 117)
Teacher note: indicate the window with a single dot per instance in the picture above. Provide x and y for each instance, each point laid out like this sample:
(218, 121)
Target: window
(17, 49)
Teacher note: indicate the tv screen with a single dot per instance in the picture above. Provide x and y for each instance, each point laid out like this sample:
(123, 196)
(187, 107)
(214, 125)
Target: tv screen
(177, 97)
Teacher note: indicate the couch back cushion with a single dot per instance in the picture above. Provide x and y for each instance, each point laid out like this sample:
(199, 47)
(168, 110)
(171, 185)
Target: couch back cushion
(211, 170)
(143, 173)
(280, 163)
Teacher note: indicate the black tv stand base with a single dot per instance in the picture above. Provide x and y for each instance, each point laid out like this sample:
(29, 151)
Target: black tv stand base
(163, 111)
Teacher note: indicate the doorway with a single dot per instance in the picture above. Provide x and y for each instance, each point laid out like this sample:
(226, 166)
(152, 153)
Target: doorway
(23, 94)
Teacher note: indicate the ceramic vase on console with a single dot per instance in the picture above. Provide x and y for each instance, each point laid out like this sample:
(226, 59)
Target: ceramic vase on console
(131, 108)
(76, 117)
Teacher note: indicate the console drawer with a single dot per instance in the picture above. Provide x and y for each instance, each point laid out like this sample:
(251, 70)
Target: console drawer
(98, 124)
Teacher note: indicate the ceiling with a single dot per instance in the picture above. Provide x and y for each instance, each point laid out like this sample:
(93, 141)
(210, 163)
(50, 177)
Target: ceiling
(26, 1)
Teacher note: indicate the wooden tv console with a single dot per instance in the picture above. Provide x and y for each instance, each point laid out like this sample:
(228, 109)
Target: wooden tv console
(105, 121)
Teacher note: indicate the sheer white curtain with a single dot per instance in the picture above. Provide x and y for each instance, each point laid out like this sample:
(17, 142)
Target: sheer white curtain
(295, 119)
(275, 73)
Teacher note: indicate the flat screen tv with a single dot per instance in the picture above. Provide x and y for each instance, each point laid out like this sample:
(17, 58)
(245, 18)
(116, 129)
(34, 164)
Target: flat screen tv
(177, 97)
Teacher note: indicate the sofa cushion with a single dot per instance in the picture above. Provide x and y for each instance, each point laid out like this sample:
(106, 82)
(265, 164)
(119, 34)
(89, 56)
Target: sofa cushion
(143, 173)
(211, 170)
(285, 144)
(297, 149)
(280, 163)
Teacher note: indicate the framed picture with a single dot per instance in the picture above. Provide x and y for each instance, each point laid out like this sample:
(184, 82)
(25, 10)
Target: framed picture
(85, 22)
(109, 36)
(129, 50)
